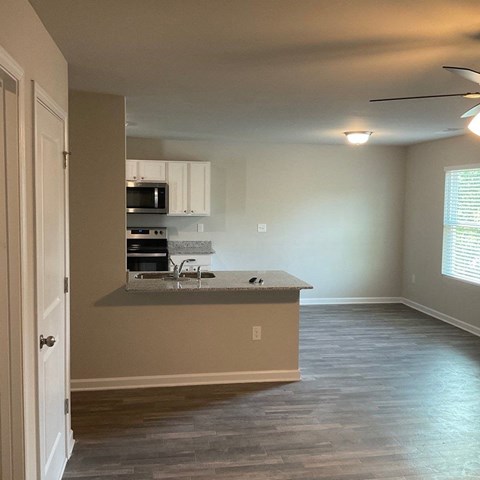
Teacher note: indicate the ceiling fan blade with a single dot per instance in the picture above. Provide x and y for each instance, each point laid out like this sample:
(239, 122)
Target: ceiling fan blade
(419, 96)
(472, 112)
(467, 73)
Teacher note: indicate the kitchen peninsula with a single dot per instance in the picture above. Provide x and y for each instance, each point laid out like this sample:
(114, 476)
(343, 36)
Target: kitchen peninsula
(219, 330)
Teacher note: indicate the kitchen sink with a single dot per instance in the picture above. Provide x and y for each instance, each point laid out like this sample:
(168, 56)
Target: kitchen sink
(194, 275)
(152, 275)
(169, 277)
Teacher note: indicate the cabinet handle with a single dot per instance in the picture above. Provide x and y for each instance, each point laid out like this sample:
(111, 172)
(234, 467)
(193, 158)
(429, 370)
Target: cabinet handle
(191, 211)
(134, 177)
(143, 178)
(184, 211)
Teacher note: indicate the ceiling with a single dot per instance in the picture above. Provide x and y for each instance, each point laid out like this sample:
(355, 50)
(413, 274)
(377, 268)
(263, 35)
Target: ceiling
(273, 70)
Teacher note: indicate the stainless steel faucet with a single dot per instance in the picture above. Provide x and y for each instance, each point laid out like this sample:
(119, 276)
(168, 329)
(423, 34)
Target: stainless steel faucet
(177, 270)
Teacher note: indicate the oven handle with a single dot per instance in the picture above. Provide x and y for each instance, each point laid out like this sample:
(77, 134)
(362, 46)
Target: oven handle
(146, 254)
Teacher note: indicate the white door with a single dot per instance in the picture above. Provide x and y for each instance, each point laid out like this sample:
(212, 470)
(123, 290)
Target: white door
(50, 185)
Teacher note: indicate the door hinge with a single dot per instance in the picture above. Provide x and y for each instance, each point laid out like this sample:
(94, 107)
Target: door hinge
(65, 158)
(65, 285)
(67, 406)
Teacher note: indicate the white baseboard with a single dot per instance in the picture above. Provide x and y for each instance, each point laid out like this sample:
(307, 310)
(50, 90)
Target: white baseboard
(349, 300)
(442, 316)
(185, 380)
(64, 466)
(71, 444)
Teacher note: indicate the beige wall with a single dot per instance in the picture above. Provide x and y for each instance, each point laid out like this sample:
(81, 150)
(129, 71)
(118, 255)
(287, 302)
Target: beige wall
(424, 229)
(24, 37)
(97, 219)
(334, 214)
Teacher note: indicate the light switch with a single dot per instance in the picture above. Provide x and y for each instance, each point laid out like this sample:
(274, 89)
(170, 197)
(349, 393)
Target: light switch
(261, 227)
(200, 227)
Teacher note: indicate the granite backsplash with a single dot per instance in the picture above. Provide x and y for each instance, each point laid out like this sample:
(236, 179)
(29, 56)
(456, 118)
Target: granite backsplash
(190, 247)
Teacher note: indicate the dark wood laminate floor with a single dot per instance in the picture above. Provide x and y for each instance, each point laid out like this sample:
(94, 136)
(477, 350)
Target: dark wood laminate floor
(387, 393)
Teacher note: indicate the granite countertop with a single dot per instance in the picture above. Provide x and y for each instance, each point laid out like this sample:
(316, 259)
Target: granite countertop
(190, 247)
(224, 281)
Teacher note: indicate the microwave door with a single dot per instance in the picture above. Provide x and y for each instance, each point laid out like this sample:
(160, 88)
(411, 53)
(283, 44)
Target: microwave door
(147, 198)
(141, 197)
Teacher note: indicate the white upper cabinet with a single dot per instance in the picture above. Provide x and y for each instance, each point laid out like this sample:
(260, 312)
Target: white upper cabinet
(199, 188)
(132, 170)
(146, 170)
(177, 180)
(189, 188)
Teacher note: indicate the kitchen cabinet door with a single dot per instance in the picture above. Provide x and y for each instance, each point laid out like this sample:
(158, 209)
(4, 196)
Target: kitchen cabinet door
(131, 170)
(145, 170)
(199, 188)
(177, 179)
(152, 170)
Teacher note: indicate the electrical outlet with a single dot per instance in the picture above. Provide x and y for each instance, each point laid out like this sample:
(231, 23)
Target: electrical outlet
(261, 227)
(200, 227)
(256, 333)
(414, 278)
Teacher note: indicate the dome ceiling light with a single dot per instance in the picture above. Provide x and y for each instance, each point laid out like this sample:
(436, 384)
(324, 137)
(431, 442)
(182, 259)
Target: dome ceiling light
(357, 138)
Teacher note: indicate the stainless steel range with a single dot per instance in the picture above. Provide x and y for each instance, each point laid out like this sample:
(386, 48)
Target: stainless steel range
(147, 249)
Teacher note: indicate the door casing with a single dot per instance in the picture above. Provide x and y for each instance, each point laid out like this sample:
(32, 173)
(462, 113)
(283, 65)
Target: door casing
(12, 435)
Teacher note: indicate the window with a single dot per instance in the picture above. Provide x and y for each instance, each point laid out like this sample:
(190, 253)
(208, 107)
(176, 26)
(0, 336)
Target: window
(461, 226)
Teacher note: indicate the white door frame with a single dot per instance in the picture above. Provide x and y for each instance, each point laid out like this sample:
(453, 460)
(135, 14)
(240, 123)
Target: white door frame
(40, 96)
(14, 433)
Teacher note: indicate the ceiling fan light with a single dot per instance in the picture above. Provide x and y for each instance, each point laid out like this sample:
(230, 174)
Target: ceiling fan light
(474, 125)
(357, 138)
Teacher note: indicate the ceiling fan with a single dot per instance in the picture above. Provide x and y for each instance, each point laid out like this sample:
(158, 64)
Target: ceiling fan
(467, 73)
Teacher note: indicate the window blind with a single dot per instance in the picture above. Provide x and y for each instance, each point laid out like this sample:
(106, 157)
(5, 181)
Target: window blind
(461, 233)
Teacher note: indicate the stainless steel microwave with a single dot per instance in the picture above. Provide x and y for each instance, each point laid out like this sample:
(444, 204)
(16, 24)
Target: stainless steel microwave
(147, 197)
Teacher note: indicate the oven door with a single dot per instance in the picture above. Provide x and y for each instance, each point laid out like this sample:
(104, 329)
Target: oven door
(147, 262)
